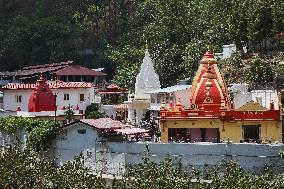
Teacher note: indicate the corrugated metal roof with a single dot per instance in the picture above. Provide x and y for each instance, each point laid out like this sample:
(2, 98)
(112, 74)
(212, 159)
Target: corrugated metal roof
(170, 89)
(78, 70)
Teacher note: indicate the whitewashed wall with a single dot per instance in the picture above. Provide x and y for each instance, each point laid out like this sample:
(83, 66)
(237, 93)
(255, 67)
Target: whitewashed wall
(184, 96)
(9, 99)
(252, 157)
(7, 139)
(10, 103)
(72, 143)
(108, 110)
(264, 97)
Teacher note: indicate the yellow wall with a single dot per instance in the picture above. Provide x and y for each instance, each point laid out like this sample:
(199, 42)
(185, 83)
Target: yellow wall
(270, 130)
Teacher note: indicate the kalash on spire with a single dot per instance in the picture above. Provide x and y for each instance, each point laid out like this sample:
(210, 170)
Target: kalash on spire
(212, 116)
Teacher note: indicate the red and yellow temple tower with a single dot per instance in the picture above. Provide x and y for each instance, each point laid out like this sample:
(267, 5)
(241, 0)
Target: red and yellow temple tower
(212, 116)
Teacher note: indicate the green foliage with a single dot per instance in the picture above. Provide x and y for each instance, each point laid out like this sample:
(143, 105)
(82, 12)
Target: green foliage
(40, 132)
(178, 32)
(27, 170)
(235, 177)
(234, 69)
(92, 111)
(281, 152)
(40, 137)
(260, 73)
(69, 114)
(122, 99)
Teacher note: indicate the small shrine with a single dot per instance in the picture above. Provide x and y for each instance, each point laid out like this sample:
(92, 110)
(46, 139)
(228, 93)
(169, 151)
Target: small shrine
(212, 116)
(41, 98)
(147, 80)
(42, 105)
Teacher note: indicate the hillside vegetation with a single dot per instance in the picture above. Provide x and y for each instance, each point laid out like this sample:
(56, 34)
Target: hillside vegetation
(112, 34)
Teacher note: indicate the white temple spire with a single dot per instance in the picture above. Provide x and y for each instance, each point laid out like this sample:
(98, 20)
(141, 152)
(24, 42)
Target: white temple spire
(147, 80)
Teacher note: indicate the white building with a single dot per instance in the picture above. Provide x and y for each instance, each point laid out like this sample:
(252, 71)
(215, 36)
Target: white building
(147, 80)
(243, 96)
(88, 137)
(173, 93)
(75, 94)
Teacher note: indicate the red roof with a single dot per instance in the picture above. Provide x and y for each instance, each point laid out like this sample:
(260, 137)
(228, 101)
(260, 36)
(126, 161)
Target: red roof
(113, 86)
(47, 65)
(103, 123)
(108, 124)
(31, 70)
(78, 70)
(113, 89)
(52, 85)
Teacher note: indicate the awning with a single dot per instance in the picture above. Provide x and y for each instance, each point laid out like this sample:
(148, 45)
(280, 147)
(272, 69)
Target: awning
(131, 131)
(120, 106)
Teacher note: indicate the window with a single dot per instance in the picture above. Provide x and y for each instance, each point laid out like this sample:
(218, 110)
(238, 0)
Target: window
(153, 99)
(82, 97)
(19, 98)
(66, 96)
(82, 131)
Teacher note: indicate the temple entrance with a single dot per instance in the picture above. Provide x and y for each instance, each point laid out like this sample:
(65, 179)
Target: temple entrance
(193, 134)
(251, 133)
(179, 135)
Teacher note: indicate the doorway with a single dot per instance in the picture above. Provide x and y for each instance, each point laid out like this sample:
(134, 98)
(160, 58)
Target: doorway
(251, 133)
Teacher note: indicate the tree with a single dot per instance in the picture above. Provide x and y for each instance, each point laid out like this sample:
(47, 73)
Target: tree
(260, 73)
(69, 114)
(92, 112)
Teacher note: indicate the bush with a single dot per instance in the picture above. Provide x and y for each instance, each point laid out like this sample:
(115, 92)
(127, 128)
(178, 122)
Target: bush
(260, 73)
(92, 112)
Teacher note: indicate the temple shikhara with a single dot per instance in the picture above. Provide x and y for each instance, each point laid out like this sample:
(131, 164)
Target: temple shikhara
(146, 81)
(212, 116)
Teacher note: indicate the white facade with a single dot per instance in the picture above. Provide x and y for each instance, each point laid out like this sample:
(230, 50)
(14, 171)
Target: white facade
(238, 88)
(108, 110)
(182, 92)
(263, 97)
(20, 98)
(73, 140)
(79, 138)
(147, 80)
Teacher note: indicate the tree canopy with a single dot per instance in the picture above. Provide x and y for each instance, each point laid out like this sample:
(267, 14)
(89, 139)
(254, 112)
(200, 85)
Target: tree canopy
(114, 32)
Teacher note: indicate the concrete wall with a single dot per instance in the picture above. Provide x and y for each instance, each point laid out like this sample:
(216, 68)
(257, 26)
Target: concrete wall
(250, 156)
(7, 139)
(113, 157)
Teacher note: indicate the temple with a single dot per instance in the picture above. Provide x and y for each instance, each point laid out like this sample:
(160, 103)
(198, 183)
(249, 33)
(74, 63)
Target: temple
(212, 116)
(41, 98)
(147, 80)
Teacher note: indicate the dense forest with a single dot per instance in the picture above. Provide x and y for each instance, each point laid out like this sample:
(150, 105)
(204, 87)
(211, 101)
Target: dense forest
(112, 33)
